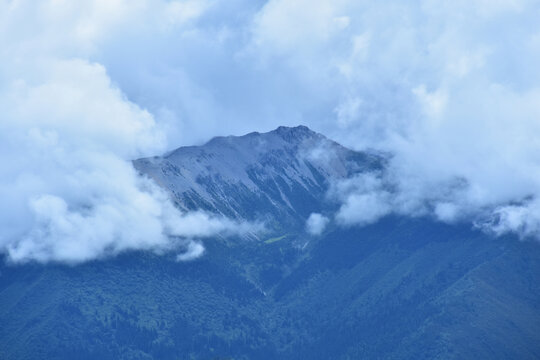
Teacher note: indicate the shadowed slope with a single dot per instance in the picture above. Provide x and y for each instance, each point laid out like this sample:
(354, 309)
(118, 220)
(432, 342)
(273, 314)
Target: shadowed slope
(398, 289)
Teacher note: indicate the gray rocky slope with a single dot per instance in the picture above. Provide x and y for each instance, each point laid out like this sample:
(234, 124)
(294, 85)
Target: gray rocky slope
(278, 177)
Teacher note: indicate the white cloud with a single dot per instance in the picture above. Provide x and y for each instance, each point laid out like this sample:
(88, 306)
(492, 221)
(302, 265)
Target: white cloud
(180, 12)
(286, 27)
(363, 209)
(450, 88)
(348, 111)
(521, 219)
(364, 199)
(69, 192)
(446, 211)
(193, 251)
(316, 223)
(433, 103)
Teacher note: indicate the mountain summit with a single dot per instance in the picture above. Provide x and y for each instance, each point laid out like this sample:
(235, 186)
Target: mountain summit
(279, 177)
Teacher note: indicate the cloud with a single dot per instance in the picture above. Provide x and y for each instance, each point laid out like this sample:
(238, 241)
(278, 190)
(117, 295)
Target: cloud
(316, 223)
(449, 88)
(67, 136)
(521, 219)
(364, 199)
(70, 193)
(193, 251)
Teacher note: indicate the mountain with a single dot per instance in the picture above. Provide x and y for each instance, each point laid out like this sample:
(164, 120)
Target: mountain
(402, 288)
(279, 177)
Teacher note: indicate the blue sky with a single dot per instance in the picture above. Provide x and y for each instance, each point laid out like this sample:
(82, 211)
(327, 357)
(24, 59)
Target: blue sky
(450, 88)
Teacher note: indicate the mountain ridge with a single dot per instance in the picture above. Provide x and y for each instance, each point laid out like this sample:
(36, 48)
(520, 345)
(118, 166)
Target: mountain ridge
(281, 176)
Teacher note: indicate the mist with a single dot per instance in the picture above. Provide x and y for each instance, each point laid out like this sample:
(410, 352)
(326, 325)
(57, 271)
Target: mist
(450, 89)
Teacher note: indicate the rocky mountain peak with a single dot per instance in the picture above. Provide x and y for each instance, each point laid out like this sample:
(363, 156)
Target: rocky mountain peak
(279, 177)
(297, 133)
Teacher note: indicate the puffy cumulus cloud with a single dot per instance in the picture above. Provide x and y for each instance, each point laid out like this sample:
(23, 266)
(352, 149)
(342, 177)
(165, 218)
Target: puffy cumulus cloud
(316, 223)
(67, 135)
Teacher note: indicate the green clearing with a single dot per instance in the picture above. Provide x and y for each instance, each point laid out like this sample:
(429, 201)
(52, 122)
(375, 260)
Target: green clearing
(275, 239)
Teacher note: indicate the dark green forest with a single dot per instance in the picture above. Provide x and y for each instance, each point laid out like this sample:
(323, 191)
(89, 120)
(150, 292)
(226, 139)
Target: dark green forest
(398, 289)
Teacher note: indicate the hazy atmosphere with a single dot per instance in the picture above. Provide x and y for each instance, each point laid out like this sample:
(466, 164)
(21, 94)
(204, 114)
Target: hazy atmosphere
(448, 91)
(269, 179)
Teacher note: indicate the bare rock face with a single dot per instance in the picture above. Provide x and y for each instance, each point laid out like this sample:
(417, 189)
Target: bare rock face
(279, 177)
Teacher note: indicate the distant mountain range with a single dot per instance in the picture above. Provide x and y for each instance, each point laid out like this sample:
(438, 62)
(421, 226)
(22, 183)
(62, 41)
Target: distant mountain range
(402, 288)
